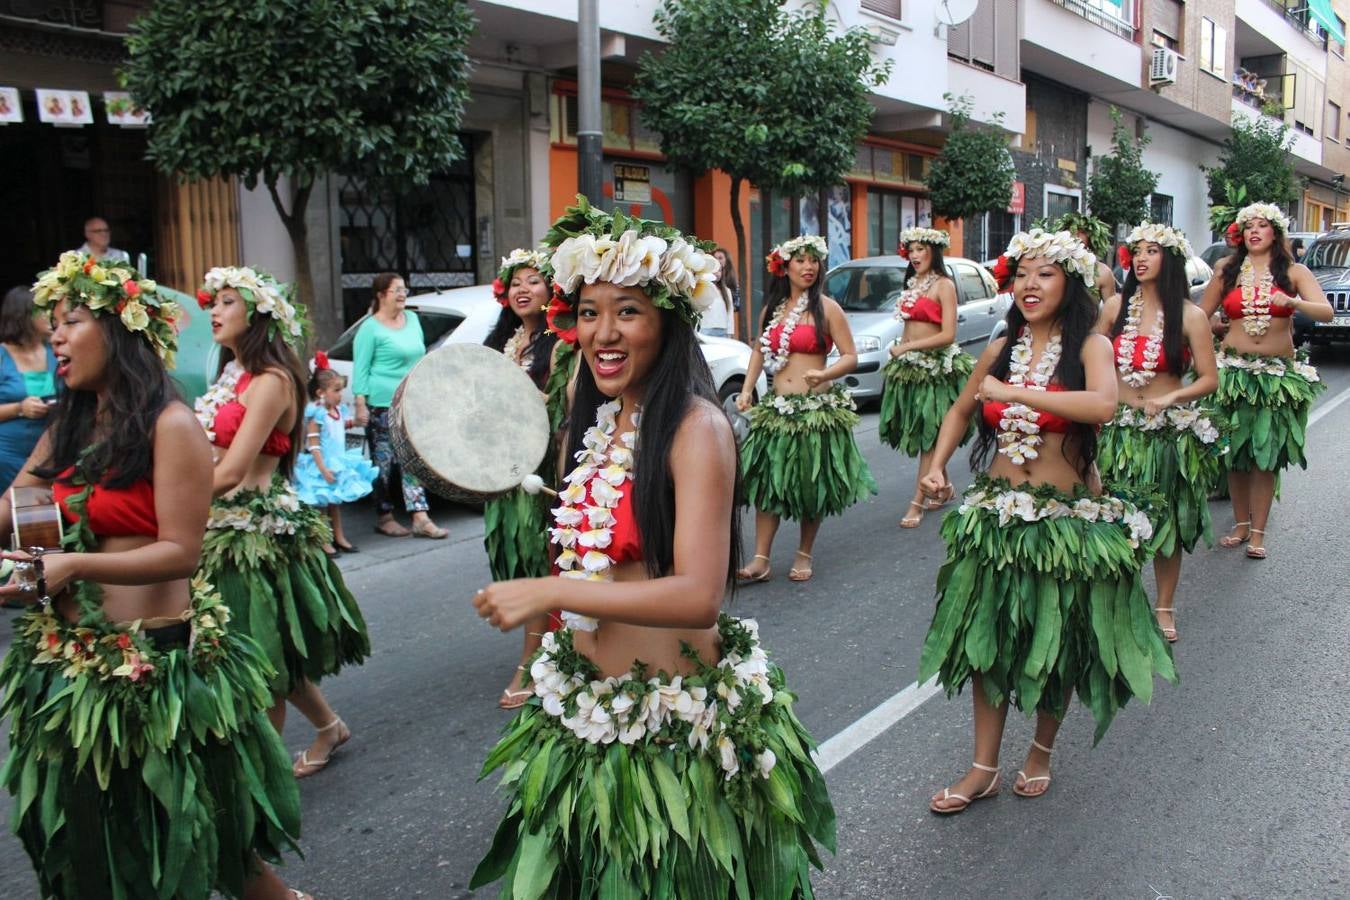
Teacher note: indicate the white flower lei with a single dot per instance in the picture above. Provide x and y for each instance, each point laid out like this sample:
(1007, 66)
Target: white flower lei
(633, 259)
(924, 236)
(1190, 417)
(1014, 504)
(219, 394)
(1162, 235)
(1255, 298)
(775, 358)
(268, 298)
(285, 503)
(1060, 246)
(515, 346)
(1268, 211)
(1129, 334)
(795, 404)
(607, 710)
(584, 531)
(1019, 433)
(812, 243)
(942, 362)
(1277, 366)
(904, 305)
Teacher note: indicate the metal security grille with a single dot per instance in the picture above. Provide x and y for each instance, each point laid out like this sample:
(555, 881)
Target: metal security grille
(427, 235)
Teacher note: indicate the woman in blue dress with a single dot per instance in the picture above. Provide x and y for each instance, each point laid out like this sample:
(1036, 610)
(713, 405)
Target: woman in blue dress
(27, 380)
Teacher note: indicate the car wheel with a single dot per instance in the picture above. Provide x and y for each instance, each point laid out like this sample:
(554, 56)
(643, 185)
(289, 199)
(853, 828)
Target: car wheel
(730, 388)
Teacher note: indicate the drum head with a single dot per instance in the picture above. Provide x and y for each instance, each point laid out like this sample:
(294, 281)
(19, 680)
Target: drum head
(474, 418)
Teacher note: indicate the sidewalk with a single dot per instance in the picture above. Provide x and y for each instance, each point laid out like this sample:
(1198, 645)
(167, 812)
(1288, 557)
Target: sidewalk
(465, 524)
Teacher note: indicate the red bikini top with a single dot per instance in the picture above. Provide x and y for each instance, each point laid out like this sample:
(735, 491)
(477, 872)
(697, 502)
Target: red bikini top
(993, 412)
(1138, 362)
(113, 512)
(1232, 305)
(229, 416)
(804, 339)
(925, 309)
(625, 542)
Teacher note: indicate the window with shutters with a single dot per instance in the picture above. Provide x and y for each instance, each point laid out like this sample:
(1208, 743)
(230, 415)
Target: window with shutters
(885, 7)
(988, 39)
(1168, 22)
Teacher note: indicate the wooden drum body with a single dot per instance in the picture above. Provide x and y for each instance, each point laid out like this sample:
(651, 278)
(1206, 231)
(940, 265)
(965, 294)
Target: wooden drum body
(468, 423)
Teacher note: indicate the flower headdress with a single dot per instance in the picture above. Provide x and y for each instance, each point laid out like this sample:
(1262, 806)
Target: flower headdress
(778, 257)
(1268, 211)
(264, 294)
(1060, 246)
(1173, 239)
(931, 236)
(590, 246)
(117, 287)
(1098, 232)
(520, 258)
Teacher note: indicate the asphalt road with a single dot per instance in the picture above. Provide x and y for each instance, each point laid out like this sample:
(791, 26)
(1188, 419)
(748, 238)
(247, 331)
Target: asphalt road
(1232, 784)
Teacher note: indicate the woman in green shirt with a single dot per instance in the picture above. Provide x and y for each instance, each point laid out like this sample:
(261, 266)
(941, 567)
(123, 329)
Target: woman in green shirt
(388, 344)
(27, 380)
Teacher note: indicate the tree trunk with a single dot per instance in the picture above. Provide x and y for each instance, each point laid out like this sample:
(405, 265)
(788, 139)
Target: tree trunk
(742, 264)
(297, 228)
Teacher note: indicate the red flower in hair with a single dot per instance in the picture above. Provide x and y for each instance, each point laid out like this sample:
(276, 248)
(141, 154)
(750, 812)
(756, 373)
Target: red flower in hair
(1233, 235)
(1002, 271)
(1124, 256)
(321, 361)
(777, 265)
(561, 319)
(902, 251)
(89, 264)
(204, 298)
(121, 305)
(131, 288)
(499, 290)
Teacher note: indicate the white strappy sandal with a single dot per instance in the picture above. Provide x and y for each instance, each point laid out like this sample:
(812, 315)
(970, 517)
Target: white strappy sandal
(1020, 790)
(947, 794)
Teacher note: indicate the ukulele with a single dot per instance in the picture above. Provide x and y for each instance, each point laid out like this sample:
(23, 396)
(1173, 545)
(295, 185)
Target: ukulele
(38, 530)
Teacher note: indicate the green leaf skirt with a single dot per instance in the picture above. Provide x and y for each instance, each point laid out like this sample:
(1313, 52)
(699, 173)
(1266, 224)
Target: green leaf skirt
(920, 386)
(1266, 402)
(1038, 609)
(515, 535)
(800, 460)
(659, 816)
(163, 787)
(1167, 456)
(281, 588)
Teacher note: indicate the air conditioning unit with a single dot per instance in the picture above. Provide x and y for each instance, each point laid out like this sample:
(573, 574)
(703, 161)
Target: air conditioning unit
(1164, 67)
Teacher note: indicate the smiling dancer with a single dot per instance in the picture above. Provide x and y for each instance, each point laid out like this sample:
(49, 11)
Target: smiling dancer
(1264, 391)
(264, 548)
(927, 368)
(800, 461)
(1040, 594)
(140, 757)
(1162, 440)
(686, 773)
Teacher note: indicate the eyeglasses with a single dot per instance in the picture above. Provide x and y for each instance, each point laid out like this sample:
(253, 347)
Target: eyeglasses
(99, 230)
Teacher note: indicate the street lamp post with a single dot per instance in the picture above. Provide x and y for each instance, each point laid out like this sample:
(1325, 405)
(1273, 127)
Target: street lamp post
(590, 177)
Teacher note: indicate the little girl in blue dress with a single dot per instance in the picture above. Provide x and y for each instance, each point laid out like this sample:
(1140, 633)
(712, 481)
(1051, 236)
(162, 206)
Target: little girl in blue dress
(328, 474)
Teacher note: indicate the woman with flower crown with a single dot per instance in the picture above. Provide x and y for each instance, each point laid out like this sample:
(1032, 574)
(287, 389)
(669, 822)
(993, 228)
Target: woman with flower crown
(1162, 439)
(1040, 594)
(141, 759)
(515, 525)
(660, 756)
(927, 368)
(800, 460)
(1265, 390)
(264, 548)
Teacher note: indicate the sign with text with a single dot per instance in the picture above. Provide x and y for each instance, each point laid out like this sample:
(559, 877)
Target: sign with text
(56, 107)
(632, 184)
(1018, 204)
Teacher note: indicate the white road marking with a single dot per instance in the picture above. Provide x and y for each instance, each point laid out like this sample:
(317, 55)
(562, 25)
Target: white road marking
(890, 711)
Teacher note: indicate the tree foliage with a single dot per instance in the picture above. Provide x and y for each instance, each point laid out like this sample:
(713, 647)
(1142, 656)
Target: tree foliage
(772, 97)
(1120, 186)
(270, 89)
(1255, 158)
(974, 172)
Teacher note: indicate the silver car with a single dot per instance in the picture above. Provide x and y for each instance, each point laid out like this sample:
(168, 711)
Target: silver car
(867, 290)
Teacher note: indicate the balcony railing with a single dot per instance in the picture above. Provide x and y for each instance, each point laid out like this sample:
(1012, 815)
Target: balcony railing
(1295, 12)
(1103, 14)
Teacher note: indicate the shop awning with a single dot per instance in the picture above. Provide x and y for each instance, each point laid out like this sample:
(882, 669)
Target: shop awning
(1321, 11)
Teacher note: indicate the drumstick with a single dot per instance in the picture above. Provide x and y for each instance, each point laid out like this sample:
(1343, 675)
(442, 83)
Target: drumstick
(533, 484)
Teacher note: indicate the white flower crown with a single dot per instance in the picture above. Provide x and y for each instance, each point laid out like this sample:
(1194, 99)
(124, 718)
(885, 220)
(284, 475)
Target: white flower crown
(811, 243)
(534, 259)
(1268, 211)
(666, 269)
(1163, 235)
(1060, 246)
(931, 236)
(263, 294)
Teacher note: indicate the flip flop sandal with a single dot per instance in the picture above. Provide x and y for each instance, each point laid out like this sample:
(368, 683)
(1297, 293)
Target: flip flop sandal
(745, 576)
(914, 521)
(947, 794)
(1022, 791)
(1257, 552)
(315, 766)
(798, 574)
(1169, 632)
(1230, 540)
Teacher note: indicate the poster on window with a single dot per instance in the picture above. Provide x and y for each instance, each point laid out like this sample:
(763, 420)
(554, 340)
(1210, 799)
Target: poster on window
(839, 226)
(123, 112)
(11, 107)
(68, 108)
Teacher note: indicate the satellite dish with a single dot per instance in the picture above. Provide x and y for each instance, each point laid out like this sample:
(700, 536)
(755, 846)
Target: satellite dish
(953, 12)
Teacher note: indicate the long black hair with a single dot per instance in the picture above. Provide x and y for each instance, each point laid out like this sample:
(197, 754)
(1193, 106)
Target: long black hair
(1280, 261)
(120, 436)
(679, 378)
(1174, 292)
(779, 290)
(936, 263)
(1077, 319)
(260, 353)
(540, 348)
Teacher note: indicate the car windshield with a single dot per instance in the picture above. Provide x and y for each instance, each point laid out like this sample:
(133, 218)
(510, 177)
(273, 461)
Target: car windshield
(865, 288)
(1329, 254)
(436, 324)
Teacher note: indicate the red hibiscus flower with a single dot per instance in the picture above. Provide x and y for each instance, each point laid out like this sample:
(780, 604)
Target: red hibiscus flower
(320, 361)
(902, 251)
(777, 265)
(1002, 271)
(131, 288)
(1124, 256)
(562, 319)
(1233, 235)
(499, 290)
(204, 298)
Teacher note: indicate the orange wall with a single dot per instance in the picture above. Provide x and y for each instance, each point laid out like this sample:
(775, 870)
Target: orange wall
(562, 180)
(859, 207)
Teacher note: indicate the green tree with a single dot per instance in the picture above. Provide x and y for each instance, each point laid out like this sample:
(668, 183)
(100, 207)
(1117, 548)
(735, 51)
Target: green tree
(768, 96)
(1255, 164)
(974, 172)
(281, 92)
(1119, 188)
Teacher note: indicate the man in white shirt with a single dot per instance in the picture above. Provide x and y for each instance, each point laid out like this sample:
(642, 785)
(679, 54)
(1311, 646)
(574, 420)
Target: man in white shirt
(98, 242)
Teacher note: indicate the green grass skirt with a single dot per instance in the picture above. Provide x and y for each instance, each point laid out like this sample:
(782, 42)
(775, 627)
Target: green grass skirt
(1172, 461)
(515, 536)
(163, 787)
(1038, 609)
(658, 817)
(920, 386)
(800, 460)
(282, 589)
(1266, 408)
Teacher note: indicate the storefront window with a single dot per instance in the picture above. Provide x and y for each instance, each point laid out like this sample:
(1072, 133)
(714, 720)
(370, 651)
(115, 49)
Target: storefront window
(838, 229)
(888, 213)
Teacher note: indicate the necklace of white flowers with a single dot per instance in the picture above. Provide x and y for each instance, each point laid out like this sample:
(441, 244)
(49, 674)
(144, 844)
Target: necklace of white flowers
(1019, 431)
(1129, 334)
(585, 527)
(516, 346)
(219, 394)
(1255, 298)
(904, 307)
(775, 358)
